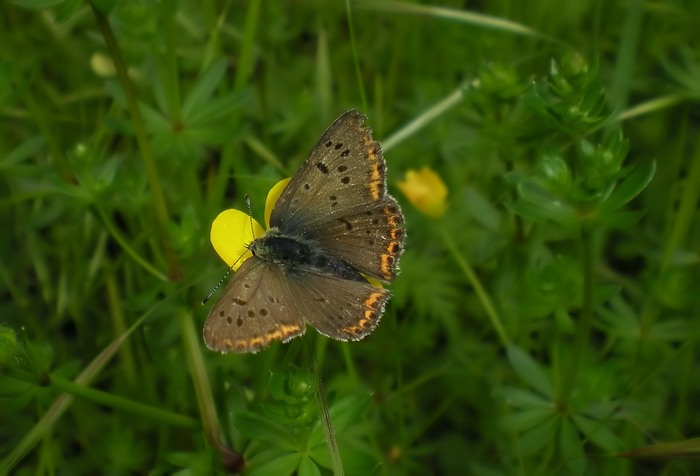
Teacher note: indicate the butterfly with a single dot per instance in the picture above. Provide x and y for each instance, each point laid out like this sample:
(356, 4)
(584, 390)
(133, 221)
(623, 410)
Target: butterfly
(333, 227)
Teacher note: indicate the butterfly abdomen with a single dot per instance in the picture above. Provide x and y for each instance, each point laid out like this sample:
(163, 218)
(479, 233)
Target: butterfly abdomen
(302, 256)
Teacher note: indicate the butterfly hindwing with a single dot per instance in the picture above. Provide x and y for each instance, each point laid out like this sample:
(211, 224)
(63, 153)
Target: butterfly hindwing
(370, 241)
(343, 174)
(255, 308)
(338, 308)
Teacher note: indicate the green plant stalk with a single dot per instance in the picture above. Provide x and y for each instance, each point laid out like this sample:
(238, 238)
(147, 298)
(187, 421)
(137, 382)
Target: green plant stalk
(47, 131)
(168, 67)
(116, 312)
(202, 389)
(624, 68)
(323, 76)
(245, 61)
(585, 322)
(349, 363)
(213, 47)
(686, 211)
(478, 288)
(125, 244)
(425, 118)
(454, 14)
(157, 196)
(61, 404)
(355, 56)
(121, 403)
(327, 424)
(428, 420)
(649, 107)
(265, 153)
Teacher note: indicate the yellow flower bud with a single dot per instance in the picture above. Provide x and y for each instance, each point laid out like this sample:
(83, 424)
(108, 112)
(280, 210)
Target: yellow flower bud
(426, 191)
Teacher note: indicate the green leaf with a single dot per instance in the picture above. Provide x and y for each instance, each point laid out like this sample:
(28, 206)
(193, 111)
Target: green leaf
(620, 219)
(683, 449)
(216, 108)
(344, 413)
(155, 121)
(620, 319)
(671, 330)
(598, 433)
(526, 419)
(537, 203)
(26, 150)
(540, 435)
(631, 186)
(482, 209)
(67, 9)
(37, 4)
(307, 467)
(8, 345)
(571, 447)
(257, 427)
(204, 88)
(529, 370)
(279, 466)
(520, 398)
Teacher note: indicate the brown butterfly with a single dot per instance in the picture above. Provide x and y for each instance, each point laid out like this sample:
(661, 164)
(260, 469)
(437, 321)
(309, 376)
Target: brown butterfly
(332, 227)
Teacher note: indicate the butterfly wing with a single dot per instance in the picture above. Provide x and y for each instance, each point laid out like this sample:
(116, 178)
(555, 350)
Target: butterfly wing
(338, 308)
(255, 308)
(370, 241)
(343, 173)
(338, 199)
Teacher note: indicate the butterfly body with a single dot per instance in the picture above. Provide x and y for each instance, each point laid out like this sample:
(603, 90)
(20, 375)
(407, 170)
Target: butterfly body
(332, 227)
(296, 255)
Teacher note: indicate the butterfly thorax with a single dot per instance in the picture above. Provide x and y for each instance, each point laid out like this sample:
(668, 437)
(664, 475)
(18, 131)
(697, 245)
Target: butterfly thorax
(299, 255)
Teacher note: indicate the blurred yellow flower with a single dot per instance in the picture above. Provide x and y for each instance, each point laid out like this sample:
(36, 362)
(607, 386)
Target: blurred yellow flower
(426, 191)
(102, 65)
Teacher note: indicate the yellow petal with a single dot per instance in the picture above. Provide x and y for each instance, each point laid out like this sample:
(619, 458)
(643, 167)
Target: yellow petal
(230, 233)
(374, 282)
(272, 197)
(426, 191)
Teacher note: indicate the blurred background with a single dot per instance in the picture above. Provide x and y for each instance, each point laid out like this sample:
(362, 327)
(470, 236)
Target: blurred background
(545, 319)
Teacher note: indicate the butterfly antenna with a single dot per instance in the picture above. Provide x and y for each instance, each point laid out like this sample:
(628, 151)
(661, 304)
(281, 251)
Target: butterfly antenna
(216, 288)
(250, 215)
(248, 246)
(221, 281)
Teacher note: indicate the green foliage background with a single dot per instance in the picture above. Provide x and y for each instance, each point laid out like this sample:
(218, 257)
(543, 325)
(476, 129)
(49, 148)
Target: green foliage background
(547, 324)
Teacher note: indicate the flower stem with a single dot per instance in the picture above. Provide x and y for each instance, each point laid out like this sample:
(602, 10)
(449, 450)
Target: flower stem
(157, 196)
(202, 389)
(478, 288)
(114, 401)
(585, 322)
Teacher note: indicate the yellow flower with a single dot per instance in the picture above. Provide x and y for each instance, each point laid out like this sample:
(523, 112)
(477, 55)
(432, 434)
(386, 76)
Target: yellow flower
(231, 233)
(426, 191)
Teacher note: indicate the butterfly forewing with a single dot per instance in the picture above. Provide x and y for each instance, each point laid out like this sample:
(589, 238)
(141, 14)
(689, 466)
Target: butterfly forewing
(255, 308)
(343, 174)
